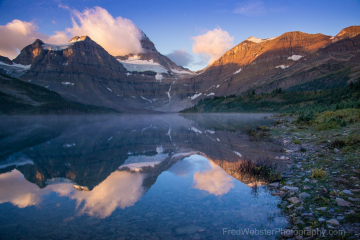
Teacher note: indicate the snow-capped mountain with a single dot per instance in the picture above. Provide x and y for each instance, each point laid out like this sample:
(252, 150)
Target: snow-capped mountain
(152, 60)
(82, 71)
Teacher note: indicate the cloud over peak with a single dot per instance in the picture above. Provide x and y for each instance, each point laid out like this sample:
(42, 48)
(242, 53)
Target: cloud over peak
(213, 44)
(118, 36)
(15, 35)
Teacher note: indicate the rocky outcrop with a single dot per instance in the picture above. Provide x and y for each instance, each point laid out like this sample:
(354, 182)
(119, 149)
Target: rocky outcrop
(151, 54)
(349, 32)
(5, 60)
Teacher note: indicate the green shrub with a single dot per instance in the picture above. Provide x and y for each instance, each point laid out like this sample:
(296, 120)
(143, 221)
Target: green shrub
(318, 173)
(305, 117)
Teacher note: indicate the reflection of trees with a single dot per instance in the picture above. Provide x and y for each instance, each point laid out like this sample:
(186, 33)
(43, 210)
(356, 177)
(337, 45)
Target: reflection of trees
(252, 173)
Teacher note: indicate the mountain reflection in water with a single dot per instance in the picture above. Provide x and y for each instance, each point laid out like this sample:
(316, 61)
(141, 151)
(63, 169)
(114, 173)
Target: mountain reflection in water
(113, 167)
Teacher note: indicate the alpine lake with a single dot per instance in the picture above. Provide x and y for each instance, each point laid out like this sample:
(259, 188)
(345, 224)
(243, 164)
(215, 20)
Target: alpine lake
(161, 176)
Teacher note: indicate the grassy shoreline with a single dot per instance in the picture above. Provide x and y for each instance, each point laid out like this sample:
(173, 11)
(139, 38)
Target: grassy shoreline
(320, 190)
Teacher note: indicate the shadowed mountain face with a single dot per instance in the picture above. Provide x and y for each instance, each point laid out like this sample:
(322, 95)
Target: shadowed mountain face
(82, 71)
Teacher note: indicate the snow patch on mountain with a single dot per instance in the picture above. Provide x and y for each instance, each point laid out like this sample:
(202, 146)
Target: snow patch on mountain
(236, 72)
(210, 94)
(18, 68)
(168, 94)
(16, 162)
(57, 47)
(295, 57)
(196, 96)
(67, 83)
(237, 153)
(158, 77)
(255, 39)
(136, 163)
(269, 39)
(196, 130)
(259, 40)
(136, 64)
(144, 98)
(282, 66)
(182, 72)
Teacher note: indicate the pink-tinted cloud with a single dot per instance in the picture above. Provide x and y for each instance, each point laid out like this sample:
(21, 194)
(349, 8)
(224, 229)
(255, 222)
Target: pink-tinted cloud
(213, 44)
(119, 36)
(64, 6)
(215, 181)
(17, 34)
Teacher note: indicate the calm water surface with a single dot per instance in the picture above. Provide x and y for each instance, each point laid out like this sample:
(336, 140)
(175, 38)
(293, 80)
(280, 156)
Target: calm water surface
(133, 177)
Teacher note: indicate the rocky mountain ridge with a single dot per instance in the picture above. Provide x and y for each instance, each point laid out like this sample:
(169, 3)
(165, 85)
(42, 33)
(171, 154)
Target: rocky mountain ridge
(255, 63)
(82, 71)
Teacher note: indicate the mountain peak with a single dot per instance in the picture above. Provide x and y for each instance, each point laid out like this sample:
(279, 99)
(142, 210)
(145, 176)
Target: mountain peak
(350, 32)
(38, 43)
(147, 44)
(255, 39)
(78, 38)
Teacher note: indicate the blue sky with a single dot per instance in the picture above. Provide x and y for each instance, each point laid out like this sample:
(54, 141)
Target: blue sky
(171, 25)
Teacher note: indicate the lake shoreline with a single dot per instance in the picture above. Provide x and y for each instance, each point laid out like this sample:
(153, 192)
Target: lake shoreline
(320, 189)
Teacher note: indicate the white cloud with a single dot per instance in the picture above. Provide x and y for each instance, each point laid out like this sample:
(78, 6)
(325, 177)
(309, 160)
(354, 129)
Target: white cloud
(15, 35)
(213, 43)
(119, 190)
(119, 36)
(254, 8)
(64, 6)
(215, 181)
